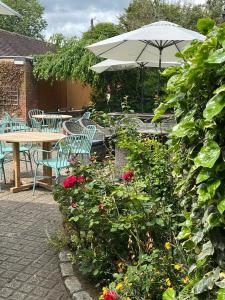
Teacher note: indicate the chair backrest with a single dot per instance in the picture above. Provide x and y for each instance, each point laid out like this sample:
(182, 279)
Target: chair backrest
(74, 145)
(72, 127)
(86, 115)
(34, 112)
(90, 131)
(6, 118)
(52, 124)
(18, 126)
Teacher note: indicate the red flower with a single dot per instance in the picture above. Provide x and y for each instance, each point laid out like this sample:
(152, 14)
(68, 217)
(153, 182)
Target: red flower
(127, 175)
(110, 295)
(74, 205)
(101, 206)
(81, 179)
(69, 182)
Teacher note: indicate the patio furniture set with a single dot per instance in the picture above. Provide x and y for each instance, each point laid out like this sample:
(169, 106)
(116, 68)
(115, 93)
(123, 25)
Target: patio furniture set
(17, 139)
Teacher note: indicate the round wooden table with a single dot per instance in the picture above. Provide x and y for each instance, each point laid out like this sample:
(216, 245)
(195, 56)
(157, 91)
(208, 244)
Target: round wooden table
(16, 138)
(52, 116)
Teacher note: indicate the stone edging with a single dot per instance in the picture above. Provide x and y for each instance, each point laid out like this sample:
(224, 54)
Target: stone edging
(71, 281)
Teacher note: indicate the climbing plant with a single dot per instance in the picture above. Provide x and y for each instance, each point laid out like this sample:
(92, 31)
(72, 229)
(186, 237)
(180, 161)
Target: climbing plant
(196, 92)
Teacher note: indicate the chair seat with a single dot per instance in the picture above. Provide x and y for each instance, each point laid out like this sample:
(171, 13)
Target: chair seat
(54, 163)
(9, 149)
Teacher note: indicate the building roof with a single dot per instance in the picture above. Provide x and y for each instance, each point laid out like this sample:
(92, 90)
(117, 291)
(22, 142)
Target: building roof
(14, 44)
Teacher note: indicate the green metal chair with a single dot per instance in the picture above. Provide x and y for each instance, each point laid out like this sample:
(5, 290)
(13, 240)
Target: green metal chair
(59, 157)
(52, 124)
(35, 124)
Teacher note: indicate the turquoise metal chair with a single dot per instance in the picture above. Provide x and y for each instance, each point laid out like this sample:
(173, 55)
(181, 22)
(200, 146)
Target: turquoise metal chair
(59, 157)
(86, 115)
(2, 161)
(25, 148)
(52, 124)
(35, 124)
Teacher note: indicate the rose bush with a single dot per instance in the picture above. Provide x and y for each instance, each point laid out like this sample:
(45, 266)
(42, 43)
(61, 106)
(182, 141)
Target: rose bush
(121, 225)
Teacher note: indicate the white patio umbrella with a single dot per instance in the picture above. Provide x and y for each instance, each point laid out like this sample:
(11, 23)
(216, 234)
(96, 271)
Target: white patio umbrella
(119, 65)
(6, 10)
(159, 41)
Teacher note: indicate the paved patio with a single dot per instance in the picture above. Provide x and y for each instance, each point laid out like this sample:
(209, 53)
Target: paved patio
(28, 265)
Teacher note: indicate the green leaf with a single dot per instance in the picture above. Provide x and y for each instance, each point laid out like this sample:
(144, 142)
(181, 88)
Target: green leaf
(184, 233)
(205, 25)
(221, 294)
(217, 57)
(185, 127)
(221, 206)
(169, 294)
(159, 111)
(188, 245)
(206, 191)
(214, 106)
(208, 155)
(220, 89)
(203, 175)
(207, 250)
(207, 282)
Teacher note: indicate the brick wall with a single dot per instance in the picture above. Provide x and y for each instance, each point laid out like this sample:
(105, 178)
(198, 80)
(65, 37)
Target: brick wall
(28, 92)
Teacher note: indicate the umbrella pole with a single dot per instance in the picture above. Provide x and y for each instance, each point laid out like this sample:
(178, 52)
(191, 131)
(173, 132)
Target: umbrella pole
(142, 88)
(159, 70)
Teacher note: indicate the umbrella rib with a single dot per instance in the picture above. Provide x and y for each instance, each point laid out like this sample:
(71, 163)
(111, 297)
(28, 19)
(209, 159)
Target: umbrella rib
(115, 46)
(141, 52)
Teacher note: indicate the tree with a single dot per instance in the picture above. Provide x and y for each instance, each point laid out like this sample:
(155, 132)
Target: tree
(142, 12)
(73, 61)
(32, 22)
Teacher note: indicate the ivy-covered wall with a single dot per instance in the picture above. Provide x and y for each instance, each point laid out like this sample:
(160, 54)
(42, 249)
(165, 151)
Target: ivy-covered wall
(11, 79)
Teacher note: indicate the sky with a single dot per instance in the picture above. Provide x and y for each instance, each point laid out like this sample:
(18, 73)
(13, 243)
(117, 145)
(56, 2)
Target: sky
(72, 17)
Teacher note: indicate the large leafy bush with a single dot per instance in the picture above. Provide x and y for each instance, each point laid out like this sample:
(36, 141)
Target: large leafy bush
(196, 92)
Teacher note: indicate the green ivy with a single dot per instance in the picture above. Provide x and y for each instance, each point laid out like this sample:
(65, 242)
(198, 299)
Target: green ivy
(196, 92)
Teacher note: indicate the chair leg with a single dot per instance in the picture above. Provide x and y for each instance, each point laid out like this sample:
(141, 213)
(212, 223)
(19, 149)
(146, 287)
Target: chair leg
(25, 159)
(29, 157)
(3, 172)
(35, 175)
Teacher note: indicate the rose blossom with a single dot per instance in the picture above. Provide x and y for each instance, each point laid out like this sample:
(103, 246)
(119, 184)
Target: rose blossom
(110, 295)
(127, 175)
(74, 205)
(69, 182)
(81, 179)
(101, 206)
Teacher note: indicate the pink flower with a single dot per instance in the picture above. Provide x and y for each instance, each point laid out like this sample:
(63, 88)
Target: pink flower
(128, 175)
(69, 182)
(110, 295)
(101, 206)
(81, 179)
(74, 205)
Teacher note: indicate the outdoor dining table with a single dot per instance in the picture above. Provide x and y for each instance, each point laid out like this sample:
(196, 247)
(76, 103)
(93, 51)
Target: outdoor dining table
(51, 116)
(16, 138)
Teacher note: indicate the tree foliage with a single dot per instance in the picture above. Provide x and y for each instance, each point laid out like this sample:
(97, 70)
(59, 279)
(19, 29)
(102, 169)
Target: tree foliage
(73, 61)
(142, 12)
(196, 92)
(32, 22)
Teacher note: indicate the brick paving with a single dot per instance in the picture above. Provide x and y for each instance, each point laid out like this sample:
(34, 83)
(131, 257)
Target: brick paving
(29, 267)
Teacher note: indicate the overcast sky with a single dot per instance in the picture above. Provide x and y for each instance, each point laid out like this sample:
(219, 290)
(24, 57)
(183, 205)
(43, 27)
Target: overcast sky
(72, 17)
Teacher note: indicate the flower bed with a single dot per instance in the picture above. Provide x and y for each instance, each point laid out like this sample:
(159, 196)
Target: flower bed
(122, 231)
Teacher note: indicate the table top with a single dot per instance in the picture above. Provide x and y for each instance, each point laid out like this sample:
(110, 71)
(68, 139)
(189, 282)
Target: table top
(51, 116)
(30, 136)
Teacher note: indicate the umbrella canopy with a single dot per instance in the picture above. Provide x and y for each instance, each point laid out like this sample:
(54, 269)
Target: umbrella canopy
(6, 10)
(117, 65)
(159, 41)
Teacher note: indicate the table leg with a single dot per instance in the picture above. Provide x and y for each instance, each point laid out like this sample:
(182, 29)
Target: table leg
(16, 164)
(46, 170)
